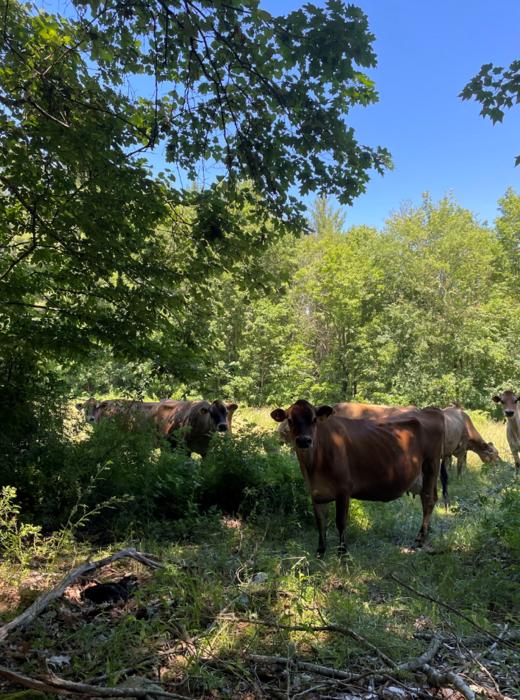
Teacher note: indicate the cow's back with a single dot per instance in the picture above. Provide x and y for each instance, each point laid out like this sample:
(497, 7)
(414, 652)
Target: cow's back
(368, 411)
(171, 415)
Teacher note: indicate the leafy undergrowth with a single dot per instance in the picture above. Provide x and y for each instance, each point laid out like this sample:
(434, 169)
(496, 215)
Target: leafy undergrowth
(230, 589)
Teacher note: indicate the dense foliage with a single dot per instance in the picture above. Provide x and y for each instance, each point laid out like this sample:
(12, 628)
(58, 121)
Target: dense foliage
(98, 251)
(425, 311)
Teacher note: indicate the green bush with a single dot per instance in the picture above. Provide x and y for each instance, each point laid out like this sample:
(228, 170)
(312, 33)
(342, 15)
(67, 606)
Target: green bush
(505, 519)
(248, 473)
(141, 479)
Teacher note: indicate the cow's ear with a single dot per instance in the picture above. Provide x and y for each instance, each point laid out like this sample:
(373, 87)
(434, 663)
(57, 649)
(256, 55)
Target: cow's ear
(324, 411)
(278, 415)
(232, 407)
(496, 398)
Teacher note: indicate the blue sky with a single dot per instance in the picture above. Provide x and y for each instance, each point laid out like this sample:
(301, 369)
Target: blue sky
(427, 51)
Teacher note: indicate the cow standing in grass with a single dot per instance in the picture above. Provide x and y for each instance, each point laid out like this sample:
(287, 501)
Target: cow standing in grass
(342, 459)
(509, 402)
(461, 436)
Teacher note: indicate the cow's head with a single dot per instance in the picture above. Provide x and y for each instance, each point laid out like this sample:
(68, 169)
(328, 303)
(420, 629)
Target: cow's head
(508, 401)
(213, 417)
(302, 418)
(489, 453)
(90, 407)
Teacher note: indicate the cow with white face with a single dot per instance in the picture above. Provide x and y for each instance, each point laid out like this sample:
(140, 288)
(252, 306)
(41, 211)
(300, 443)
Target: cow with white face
(509, 402)
(95, 410)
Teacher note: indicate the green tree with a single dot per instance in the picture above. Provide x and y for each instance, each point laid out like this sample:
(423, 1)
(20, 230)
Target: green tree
(508, 232)
(96, 251)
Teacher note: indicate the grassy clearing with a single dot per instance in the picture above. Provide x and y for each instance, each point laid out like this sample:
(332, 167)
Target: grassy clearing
(194, 624)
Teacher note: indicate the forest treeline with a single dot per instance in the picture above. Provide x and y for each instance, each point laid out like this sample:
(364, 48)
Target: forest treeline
(424, 311)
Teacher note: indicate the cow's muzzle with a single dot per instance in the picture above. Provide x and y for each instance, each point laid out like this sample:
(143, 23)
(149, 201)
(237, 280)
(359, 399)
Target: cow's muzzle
(222, 427)
(509, 412)
(303, 442)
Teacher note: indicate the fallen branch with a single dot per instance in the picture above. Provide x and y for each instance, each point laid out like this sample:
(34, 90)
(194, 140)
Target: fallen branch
(419, 665)
(500, 640)
(43, 601)
(326, 671)
(439, 679)
(60, 686)
(425, 658)
(422, 664)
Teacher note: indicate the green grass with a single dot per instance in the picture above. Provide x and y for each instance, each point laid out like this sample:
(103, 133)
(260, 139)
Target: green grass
(195, 619)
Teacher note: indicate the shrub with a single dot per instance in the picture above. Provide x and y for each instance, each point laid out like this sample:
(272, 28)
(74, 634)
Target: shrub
(129, 464)
(248, 473)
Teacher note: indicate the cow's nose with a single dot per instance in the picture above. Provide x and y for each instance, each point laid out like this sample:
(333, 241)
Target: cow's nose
(222, 427)
(303, 441)
(509, 412)
(90, 419)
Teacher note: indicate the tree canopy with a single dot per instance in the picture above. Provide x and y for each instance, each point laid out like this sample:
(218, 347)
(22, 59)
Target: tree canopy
(96, 248)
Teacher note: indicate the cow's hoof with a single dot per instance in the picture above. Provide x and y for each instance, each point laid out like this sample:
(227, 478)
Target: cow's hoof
(320, 553)
(342, 551)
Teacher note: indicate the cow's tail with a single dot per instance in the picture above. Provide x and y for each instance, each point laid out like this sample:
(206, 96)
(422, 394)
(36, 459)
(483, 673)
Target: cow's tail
(444, 482)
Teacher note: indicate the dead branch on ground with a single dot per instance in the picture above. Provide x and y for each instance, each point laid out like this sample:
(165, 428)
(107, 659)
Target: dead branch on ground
(88, 567)
(60, 686)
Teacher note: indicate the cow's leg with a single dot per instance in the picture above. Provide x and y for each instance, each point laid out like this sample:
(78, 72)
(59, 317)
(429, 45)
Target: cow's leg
(342, 503)
(462, 462)
(428, 500)
(320, 513)
(514, 450)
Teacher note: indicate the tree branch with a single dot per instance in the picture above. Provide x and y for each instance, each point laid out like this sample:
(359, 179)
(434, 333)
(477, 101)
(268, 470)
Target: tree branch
(60, 686)
(43, 601)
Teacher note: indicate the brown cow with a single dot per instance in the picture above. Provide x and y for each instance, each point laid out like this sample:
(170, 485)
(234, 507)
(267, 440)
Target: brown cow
(342, 459)
(96, 410)
(509, 401)
(196, 420)
(369, 411)
(461, 436)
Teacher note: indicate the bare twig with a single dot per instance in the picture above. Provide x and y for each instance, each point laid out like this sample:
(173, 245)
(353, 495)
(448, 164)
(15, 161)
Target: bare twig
(43, 601)
(305, 665)
(451, 608)
(346, 631)
(60, 686)
(425, 658)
